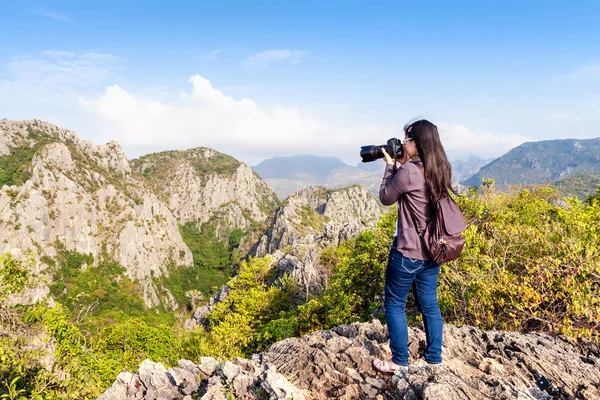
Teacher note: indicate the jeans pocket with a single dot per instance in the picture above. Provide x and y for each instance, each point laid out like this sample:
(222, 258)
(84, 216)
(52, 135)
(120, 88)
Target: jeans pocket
(411, 265)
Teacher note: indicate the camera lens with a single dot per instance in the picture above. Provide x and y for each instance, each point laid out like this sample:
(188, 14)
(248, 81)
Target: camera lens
(371, 153)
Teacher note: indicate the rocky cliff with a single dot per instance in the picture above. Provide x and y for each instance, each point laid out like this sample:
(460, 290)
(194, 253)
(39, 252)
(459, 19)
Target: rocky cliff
(202, 185)
(310, 220)
(61, 191)
(337, 364)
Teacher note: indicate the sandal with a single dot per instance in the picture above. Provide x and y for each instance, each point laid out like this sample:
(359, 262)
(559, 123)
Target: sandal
(387, 366)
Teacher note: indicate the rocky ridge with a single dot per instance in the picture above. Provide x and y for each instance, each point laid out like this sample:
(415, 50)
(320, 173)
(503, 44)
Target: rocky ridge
(85, 198)
(306, 223)
(202, 185)
(540, 163)
(311, 220)
(337, 364)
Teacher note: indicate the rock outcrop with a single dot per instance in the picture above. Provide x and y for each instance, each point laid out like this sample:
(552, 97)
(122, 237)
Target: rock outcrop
(310, 220)
(202, 185)
(85, 197)
(337, 364)
(303, 226)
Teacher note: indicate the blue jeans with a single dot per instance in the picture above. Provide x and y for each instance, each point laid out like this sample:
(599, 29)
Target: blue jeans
(400, 274)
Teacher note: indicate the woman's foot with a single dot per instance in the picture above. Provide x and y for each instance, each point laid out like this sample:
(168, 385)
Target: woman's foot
(388, 366)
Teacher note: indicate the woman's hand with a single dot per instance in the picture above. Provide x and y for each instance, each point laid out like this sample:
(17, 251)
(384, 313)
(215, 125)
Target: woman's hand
(387, 157)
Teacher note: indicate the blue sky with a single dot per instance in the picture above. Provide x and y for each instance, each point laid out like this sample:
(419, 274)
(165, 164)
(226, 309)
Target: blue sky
(258, 79)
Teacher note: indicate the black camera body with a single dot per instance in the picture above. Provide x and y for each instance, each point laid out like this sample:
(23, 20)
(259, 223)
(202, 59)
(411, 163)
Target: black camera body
(393, 148)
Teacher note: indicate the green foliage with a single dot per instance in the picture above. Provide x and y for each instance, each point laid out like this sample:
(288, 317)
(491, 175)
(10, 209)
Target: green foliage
(161, 164)
(183, 279)
(15, 166)
(237, 324)
(219, 163)
(125, 344)
(21, 375)
(92, 363)
(527, 264)
(579, 186)
(207, 250)
(594, 198)
(101, 292)
(355, 286)
(14, 276)
(213, 262)
(311, 219)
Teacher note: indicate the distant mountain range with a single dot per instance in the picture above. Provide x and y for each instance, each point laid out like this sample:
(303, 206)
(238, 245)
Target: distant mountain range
(541, 163)
(530, 163)
(298, 167)
(462, 170)
(287, 175)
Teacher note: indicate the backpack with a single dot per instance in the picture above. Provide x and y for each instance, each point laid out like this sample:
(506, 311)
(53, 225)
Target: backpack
(442, 237)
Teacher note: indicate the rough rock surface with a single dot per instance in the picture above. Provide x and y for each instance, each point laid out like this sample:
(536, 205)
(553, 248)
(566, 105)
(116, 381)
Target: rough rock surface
(302, 217)
(337, 364)
(202, 185)
(310, 220)
(209, 380)
(86, 197)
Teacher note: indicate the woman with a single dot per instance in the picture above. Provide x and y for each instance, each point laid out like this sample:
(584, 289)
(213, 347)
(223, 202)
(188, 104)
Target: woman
(423, 177)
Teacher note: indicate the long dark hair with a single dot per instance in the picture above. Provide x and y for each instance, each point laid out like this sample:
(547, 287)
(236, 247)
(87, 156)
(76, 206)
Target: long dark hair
(438, 172)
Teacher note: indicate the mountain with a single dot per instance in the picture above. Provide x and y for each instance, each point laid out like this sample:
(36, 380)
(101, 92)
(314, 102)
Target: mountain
(298, 167)
(288, 175)
(62, 196)
(334, 174)
(580, 186)
(541, 162)
(79, 208)
(305, 224)
(202, 185)
(462, 170)
(168, 222)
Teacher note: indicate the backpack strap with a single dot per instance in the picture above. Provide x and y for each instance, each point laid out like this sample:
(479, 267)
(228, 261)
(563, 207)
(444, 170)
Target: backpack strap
(419, 165)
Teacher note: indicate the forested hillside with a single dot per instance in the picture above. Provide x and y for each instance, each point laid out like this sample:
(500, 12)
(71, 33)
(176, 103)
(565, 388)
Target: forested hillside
(541, 163)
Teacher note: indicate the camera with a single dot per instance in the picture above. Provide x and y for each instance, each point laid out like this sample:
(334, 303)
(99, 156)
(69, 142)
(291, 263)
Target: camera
(393, 147)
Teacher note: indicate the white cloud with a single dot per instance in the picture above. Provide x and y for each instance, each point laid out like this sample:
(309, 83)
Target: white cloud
(48, 84)
(81, 91)
(207, 117)
(269, 57)
(459, 141)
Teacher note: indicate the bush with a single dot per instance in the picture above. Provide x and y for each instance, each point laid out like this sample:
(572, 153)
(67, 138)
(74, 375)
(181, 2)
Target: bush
(237, 324)
(528, 264)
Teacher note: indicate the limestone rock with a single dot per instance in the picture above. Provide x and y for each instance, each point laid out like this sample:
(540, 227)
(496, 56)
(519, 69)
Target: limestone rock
(87, 198)
(310, 220)
(337, 364)
(202, 185)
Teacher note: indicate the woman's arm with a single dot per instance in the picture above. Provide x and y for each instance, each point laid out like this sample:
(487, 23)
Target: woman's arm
(394, 184)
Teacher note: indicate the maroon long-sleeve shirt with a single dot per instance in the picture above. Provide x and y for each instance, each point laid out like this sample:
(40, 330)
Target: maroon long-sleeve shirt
(407, 188)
